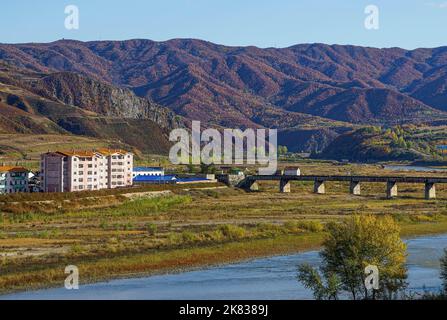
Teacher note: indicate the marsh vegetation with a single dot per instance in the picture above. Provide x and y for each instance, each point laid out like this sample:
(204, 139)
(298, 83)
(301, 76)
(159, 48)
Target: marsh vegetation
(113, 235)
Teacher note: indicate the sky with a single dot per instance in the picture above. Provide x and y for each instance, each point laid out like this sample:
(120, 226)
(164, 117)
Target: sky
(264, 23)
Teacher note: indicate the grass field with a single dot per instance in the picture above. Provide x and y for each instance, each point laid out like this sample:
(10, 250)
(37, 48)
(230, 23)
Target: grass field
(110, 235)
(25, 149)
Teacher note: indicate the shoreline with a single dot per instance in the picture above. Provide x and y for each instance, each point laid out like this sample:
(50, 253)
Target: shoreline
(189, 259)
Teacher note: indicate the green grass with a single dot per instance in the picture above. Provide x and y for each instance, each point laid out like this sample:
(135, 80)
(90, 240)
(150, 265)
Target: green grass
(194, 228)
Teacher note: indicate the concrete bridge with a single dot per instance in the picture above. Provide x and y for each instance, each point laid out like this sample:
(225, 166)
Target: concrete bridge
(250, 183)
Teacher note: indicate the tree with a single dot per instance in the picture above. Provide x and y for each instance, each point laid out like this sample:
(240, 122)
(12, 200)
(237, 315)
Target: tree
(350, 247)
(207, 168)
(312, 279)
(190, 168)
(282, 150)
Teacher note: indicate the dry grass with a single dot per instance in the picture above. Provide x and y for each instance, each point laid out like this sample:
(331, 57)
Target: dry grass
(26, 148)
(194, 228)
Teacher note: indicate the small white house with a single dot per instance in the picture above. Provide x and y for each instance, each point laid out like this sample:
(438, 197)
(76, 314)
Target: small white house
(148, 171)
(292, 171)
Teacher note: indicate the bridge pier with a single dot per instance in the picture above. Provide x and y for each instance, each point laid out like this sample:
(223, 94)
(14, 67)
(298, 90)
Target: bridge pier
(248, 185)
(253, 186)
(391, 189)
(430, 191)
(319, 187)
(284, 186)
(354, 188)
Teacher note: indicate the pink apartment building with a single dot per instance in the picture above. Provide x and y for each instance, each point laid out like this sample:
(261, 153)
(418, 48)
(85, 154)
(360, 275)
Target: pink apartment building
(86, 170)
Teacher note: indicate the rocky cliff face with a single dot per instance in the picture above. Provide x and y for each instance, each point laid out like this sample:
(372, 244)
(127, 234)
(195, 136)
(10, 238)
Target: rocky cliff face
(101, 98)
(67, 103)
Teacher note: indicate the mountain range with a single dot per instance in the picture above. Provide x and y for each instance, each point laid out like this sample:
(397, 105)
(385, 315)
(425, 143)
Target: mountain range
(312, 93)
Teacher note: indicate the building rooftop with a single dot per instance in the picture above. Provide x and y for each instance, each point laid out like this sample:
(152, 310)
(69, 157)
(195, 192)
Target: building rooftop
(108, 152)
(91, 153)
(77, 153)
(12, 169)
(142, 169)
(154, 178)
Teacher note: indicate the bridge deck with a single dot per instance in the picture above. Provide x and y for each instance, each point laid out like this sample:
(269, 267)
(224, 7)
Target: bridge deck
(401, 179)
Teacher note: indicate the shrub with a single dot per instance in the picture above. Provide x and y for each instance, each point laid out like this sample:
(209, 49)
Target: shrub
(76, 249)
(233, 232)
(151, 229)
(269, 230)
(308, 225)
(188, 237)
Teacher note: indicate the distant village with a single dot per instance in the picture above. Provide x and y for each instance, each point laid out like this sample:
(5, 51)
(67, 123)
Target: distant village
(73, 171)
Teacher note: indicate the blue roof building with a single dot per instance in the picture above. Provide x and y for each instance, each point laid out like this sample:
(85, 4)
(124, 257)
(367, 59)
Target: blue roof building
(168, 179)
(148, 171)
(153, 179)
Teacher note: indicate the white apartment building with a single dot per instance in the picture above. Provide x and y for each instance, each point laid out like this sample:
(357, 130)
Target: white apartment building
(13, 179)
(86, 170)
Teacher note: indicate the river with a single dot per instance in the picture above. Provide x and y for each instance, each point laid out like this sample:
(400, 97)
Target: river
(268, 278)
(413, 168)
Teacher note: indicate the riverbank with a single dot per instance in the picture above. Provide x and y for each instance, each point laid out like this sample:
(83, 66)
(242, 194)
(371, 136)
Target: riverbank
(271, 278)
(180, 260)
(193, 228)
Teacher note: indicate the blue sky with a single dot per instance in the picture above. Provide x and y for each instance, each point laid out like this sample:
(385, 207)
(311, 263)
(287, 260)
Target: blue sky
(275, 23)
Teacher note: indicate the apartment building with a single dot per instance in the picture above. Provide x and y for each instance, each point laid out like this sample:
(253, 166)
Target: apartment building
(13, 179)
(86, 170)
(119, 165)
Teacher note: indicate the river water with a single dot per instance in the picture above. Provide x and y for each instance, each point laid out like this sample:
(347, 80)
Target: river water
(414, 168)
(268, 279)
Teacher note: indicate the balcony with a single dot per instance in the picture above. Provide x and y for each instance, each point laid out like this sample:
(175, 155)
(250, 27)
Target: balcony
(18, 177)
